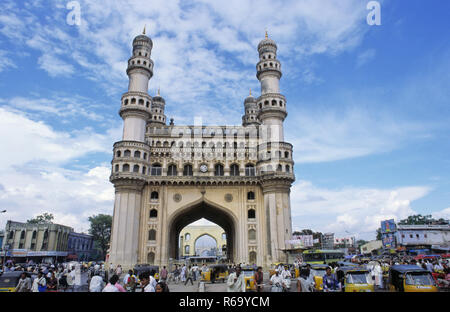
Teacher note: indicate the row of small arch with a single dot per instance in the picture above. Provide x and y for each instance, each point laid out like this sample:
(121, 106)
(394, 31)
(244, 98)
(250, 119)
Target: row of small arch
(156, 169)
(266, 64)
(274, 103)
(144, 63)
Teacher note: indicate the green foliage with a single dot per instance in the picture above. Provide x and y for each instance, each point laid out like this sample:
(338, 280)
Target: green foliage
(44, 218)
(379, 235)
(101, 231)
(421, 220)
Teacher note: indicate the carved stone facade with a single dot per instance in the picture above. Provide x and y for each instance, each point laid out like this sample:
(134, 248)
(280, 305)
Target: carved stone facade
(168, 176)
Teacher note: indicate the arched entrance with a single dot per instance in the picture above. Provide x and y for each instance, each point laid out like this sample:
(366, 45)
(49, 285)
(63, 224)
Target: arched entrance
(203, 245)
(208, 211)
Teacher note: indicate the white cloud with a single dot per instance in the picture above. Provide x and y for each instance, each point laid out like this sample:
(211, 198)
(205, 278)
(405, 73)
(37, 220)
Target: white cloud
(202, 50)
(34, 175)
(320, 136)
(31, 141)
(55, 66)
(5, 61)
(350, 210)
(444, 214)
(64, 107)
(72, 196)
(365, 57)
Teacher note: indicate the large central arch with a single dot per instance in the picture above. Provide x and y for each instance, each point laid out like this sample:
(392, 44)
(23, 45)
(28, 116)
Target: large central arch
(196, 211)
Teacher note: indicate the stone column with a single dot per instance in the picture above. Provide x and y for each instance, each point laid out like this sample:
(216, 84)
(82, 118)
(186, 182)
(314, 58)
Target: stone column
(125, 227)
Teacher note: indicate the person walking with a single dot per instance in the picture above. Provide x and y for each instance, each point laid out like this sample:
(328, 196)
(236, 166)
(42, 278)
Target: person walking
(163, 275)
(183, 273)
(96, 284)
(41, 282)
(52, 285)
(259, 278)
(119, 270)
(24, 284)
(236, 282)
(70, 280)
(189, 273)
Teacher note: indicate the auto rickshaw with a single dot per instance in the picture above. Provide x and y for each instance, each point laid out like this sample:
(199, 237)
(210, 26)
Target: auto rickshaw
(411, 278)
(9, 281)
(218, 272)
(355, 279)
(273, 267)
(249, 277)
(318, 271)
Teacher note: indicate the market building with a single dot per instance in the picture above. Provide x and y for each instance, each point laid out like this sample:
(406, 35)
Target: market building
(423, 238)
(38, 242)
(80, 246)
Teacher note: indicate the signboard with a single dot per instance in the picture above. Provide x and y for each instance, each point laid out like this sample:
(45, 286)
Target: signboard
(388, 240)
(388, 226)
(301, 241)
(47, 253)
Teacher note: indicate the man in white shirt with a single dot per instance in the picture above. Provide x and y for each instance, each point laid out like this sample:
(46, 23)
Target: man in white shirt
(146, 285)
(277, 282)
(236, 282)
(286, 275)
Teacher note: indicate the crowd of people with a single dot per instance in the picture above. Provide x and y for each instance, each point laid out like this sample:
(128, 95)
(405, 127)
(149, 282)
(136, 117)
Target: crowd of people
(66, 276)
(45, 277)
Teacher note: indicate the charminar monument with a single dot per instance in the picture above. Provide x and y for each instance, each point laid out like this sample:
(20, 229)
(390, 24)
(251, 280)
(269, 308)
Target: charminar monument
(167, 176)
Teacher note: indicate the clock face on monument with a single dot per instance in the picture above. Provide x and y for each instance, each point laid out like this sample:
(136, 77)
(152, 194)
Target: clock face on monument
(203, 168)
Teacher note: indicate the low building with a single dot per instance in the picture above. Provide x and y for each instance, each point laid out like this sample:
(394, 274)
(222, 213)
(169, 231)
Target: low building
(38, 242)
(372, 247)
(423, 237)
(328, 241)
(80, 246)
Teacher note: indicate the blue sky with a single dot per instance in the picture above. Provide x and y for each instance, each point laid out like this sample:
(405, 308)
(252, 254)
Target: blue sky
(368, 106)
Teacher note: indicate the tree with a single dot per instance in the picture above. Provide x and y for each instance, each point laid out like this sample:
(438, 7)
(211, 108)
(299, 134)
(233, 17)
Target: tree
(44, 218)
(101, 231)
(379, 235)
(422, 220)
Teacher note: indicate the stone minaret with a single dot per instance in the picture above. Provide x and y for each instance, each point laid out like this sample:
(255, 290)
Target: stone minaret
(251, 111)
(275, 163)
(130, 163)
(158, 118)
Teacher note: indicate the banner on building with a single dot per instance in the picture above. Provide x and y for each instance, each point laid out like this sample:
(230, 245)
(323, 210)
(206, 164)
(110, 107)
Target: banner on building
(301, 241)
(388, 226)
(388, 240)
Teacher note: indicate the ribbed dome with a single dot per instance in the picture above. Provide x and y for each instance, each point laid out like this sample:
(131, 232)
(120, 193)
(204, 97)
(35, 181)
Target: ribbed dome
(267, 42)
(250, 99)
(143, 38)
(158, 98)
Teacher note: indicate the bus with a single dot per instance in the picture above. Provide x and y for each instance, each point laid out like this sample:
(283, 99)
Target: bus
(322, 256)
